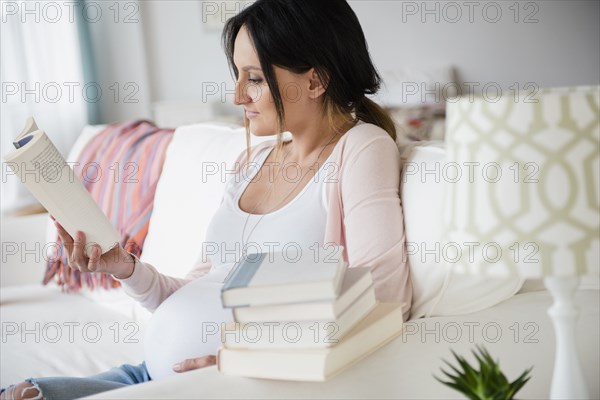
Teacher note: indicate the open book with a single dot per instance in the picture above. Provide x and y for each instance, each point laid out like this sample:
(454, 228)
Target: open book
(41, 167)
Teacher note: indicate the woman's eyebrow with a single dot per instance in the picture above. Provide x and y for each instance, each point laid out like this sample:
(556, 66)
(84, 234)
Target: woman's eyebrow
(250, 67)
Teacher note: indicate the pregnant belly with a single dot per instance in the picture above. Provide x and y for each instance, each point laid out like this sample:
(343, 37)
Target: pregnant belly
(186, 325)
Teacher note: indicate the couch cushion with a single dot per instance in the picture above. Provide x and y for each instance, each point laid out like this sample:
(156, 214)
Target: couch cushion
(437, 290)
(49, 333)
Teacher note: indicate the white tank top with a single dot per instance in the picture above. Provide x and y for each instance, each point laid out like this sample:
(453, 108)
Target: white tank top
(299, 224)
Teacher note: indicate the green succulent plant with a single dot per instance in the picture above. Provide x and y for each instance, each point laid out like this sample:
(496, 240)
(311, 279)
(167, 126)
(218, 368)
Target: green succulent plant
(487, 383)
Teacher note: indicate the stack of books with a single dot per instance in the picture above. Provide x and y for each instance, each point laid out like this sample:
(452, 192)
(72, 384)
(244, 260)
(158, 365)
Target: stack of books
(305, 319)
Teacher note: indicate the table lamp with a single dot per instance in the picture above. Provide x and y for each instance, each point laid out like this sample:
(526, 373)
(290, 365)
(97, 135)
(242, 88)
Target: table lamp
(522, 197)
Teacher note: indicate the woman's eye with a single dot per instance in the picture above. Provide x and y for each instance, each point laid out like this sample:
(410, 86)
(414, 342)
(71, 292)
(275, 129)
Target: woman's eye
(255, 80)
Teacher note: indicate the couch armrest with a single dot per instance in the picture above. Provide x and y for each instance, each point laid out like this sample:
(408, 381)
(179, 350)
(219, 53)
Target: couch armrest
(24, 249)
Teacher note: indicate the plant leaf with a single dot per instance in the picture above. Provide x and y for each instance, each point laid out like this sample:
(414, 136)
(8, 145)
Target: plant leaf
(487, 383)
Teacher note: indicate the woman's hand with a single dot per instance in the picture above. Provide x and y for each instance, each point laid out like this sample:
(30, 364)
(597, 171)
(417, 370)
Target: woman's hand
(195, 363)
(117, 261)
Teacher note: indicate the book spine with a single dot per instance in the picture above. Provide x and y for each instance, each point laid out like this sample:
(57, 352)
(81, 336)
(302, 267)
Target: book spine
(242, 273)
(22, 142)
(245, 271)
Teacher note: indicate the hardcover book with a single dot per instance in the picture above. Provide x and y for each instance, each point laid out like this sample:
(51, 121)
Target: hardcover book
(356, 281)
(298, 334)
(381, 326)
(313, 274)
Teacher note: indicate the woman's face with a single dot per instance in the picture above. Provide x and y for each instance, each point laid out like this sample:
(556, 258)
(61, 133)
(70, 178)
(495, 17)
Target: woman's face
(252, 91)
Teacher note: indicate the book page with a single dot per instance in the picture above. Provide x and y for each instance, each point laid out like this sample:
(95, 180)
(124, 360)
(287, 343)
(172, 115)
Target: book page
(41, 167)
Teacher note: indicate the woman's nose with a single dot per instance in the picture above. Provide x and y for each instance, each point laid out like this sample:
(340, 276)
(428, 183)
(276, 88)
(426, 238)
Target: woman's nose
(240, 96)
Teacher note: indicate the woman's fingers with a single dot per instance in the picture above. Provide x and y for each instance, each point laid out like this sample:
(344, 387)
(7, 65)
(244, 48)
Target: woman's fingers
(94, 258)
(77, 256)
(65, 237)
(195, 363)
(75, 248)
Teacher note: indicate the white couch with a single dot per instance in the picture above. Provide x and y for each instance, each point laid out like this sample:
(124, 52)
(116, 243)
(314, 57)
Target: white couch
(49, 333)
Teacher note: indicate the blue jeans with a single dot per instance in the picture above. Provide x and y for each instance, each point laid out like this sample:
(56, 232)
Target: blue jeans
(66, 388)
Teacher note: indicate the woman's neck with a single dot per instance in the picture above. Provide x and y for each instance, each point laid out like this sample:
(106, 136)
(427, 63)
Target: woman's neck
(307, 143)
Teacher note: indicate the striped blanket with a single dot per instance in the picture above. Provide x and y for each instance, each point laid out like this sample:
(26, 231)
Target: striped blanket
(122, 165)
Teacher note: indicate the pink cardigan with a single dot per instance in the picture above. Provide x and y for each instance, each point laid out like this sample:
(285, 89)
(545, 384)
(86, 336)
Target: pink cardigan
(365, 216)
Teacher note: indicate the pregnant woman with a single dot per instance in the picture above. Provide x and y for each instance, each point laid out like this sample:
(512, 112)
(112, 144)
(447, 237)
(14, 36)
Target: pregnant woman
(301, 66)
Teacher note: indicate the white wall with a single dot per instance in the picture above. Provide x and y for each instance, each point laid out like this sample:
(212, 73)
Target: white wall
(182, 52)
(562, 48)
(120, 60)
(183, 55)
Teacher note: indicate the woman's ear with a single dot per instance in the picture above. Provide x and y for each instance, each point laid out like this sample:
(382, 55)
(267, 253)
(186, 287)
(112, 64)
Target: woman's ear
(317, 85)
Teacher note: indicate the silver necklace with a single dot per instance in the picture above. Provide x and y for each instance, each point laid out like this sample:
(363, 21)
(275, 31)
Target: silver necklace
(271, 188)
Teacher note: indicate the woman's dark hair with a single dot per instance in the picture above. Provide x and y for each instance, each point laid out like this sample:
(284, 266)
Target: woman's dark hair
(322, 34)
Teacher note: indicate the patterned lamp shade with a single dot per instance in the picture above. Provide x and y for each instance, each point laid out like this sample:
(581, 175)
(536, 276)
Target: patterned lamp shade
(522, 182)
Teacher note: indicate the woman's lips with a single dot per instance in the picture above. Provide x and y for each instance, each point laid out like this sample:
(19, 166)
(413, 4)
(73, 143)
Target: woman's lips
(251, 114)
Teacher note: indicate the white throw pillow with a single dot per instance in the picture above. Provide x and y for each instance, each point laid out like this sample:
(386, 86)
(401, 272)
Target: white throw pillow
(437, 291)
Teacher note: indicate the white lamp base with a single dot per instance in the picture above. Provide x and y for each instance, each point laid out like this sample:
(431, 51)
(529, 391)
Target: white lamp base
(567, 380)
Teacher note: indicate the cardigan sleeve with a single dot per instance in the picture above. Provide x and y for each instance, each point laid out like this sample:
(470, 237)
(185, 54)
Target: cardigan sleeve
(150, 288)
(373, 219)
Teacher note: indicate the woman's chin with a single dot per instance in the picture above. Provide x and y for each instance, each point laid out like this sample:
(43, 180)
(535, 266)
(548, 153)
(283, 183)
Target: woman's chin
(260, 131)
(259, 128)
(262, 134)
